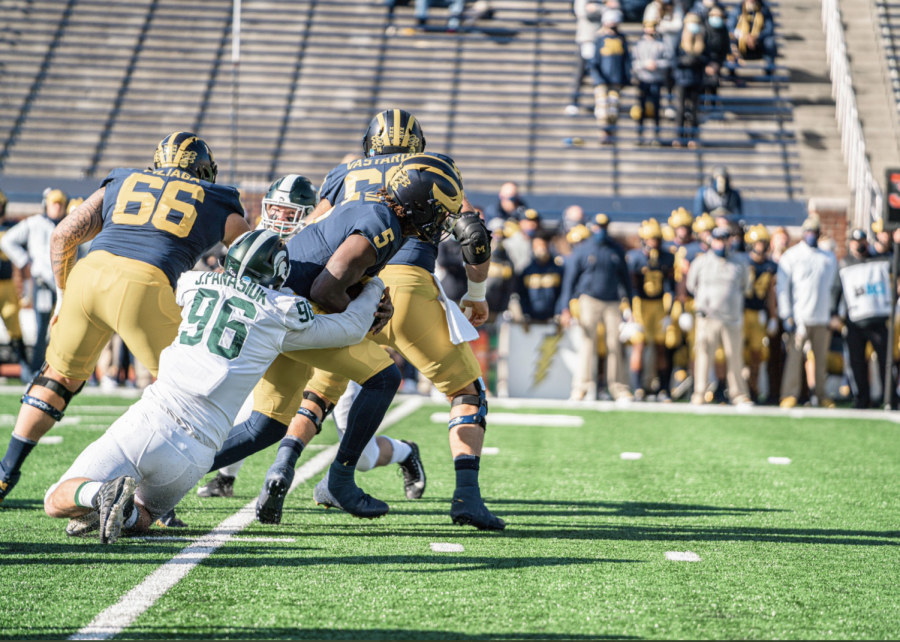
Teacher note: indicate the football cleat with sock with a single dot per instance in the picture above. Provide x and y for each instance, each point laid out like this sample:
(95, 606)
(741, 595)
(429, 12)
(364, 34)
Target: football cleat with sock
(115, 502)
(468, 509)
(271, 498)
(349, 498)
(220, 486)
(8, 481)
(83, 525)
(413, 472)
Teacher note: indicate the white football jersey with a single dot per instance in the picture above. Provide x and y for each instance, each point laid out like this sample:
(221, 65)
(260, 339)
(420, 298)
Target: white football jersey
(229, 335)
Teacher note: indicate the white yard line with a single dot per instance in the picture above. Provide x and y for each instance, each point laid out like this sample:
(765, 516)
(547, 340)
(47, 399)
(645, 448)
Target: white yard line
(682, 556)
(133, 604)
(443, 547)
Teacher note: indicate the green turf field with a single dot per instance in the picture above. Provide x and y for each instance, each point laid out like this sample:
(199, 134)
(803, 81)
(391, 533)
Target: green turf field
(805, 550)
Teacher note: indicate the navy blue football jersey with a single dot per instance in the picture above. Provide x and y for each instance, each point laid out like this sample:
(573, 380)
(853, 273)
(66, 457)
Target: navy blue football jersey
(346, 183)
(6, 268)
(653, 273)
(761, 275)
(163, 217)
(314, 245)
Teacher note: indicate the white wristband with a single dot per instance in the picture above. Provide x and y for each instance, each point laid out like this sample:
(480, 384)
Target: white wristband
(477, 291)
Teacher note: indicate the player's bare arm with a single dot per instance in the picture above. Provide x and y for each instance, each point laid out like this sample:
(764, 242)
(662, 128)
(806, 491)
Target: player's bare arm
(344, 269)
(321, 207)
(235, 225)
(80, 226)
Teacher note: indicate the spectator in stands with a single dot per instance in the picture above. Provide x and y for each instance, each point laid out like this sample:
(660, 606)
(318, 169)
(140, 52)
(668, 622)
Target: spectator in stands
(508, 205)
(610, 71)
(862, 298)
(587, 19)
(718, 194)
(541, 282)
(718, 280)
(596, 276)
(689, 79)
(805, 277)
(718, 45)
(27, 244)
(456, 10)
(653, 273)
(650, 64)
(669, 18)
(753, 28)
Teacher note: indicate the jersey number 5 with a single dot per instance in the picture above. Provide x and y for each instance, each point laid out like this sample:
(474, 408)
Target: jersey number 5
(158, 208)
(201, 312)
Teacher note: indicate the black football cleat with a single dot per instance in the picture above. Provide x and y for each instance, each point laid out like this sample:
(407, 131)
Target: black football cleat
(271, 497)
(170, 520)
(468, 509)
(219, 486)
(350, 500)
(413, 473)
(8, 481)
(115, 502)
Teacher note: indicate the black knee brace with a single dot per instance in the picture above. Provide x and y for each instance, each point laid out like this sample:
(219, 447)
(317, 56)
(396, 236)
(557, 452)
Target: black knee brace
(479, 418)
(323, 404)
(52, 386)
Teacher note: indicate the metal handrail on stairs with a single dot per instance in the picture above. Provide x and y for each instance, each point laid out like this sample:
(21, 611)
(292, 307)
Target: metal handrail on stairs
(867, 192)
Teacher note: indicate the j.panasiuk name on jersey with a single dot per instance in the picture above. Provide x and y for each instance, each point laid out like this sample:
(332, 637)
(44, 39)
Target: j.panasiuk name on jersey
(247, 288)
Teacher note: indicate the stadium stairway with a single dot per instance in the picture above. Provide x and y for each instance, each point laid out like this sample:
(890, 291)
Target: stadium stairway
(118, 76)
(818, 138)
(872, 34)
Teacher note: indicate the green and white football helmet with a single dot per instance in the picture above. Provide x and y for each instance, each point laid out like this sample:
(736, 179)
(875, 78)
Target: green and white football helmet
(259, 256)
(288, 202)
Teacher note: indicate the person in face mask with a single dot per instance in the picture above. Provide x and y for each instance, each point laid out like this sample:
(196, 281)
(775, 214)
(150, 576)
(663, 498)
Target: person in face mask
(594, 279)
(718, 194)
(718, 44)
(718, 282)
(861, 302)
(803, 287)
(650, 63)
(541, 283)
(692, 59)
(753, 28)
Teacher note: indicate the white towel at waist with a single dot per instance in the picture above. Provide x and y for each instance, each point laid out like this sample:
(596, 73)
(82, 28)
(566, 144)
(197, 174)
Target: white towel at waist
(459, 326)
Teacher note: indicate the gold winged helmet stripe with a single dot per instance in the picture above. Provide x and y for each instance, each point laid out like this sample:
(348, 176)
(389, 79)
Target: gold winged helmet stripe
(395, 134)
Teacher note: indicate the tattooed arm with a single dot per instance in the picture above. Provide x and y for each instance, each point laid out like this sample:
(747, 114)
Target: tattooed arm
(80, 226)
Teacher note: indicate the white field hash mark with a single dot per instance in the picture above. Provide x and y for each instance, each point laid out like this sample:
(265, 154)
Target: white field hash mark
(780, 461)
(133, 604)
(443, 547)
(490, 450)
(50, 439)
(682, 556)
(631, 455)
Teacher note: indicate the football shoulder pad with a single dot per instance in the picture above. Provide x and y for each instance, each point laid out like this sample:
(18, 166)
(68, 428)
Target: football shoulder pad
(474, 238)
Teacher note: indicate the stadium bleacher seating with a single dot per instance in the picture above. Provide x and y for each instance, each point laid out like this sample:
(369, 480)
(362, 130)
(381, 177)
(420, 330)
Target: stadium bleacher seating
(83, 78)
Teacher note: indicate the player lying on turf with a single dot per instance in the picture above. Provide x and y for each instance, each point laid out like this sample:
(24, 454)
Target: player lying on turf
(233, 326)
(354, 240)
(148, 227)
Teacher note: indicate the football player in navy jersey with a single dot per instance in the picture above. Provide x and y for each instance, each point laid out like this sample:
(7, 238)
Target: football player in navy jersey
(147, 227)
(418, 330)
(329, 257)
